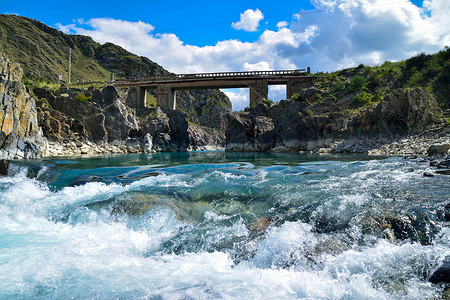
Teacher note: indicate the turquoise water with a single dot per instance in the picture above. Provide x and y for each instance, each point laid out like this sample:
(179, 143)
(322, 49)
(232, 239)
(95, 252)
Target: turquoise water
(216, 225)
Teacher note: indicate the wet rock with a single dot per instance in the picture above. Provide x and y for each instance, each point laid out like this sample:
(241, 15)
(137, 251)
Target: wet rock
(411, 156)
(444, 164)
(83, 179)
(446, 294)
(438, 149)
(428, 174)
(443, 171)
(434, 163)
(260, 225)
(447, 213)
(442, 273)
(4, 165)
(136, 204)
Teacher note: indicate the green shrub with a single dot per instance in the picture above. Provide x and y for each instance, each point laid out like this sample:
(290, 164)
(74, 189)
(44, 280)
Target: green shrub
(337, 86)
(296, 97)
(415, 79)
(432, 68)
(82, 98)
(268, 102)
(317, 97)
(357, 83)
(309, 113)
(362, 98)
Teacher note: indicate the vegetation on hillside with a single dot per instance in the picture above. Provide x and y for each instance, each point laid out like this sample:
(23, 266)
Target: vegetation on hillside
(371, 84)
(43, 53)
(350, 91)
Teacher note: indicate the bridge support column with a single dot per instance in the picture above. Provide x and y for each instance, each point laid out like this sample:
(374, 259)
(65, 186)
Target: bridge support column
(258, 90)
(141, 96)
(294, 86)
(166, 97)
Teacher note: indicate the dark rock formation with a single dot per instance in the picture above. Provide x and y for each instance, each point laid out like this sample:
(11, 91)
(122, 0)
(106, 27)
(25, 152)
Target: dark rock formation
(248, 131)
(333, 127)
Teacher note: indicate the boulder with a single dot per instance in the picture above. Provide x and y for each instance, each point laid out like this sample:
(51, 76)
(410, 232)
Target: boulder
(442, 273)
(438, 149)
(4, 166)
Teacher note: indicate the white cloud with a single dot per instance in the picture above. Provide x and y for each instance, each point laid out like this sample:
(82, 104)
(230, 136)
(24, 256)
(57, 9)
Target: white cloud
(66, 28)
(238, 97)
(260, 66)
(282, 24)
(277, 92)
(249, 20)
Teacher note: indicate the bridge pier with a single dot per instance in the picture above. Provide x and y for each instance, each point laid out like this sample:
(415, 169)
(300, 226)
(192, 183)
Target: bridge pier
(166, 97)
(141, 96)
(258, 90)
(294, 86)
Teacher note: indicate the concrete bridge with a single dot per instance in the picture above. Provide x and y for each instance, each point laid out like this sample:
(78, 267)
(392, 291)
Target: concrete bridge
(257, 82)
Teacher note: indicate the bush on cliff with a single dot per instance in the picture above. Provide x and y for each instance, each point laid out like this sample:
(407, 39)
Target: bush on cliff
(357, 83)
(82, 98)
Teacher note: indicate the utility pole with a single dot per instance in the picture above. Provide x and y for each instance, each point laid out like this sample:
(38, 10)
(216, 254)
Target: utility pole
(70, 61)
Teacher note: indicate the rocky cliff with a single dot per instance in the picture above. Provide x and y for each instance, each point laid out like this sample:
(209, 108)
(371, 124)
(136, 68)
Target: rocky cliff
(396, 108)
(20, 135)
(97, 121)
(405, 118)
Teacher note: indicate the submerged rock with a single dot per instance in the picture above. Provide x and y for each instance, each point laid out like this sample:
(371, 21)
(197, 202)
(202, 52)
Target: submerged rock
(442, 273)
(137, 204)
(260, 225)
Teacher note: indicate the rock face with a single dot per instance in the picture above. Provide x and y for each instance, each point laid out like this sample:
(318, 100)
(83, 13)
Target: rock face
(20, 135)
(103, 119)
(251, 131)
(290, 126)
(96, 121)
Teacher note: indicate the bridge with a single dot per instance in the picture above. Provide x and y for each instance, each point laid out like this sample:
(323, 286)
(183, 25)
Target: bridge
(256, 81)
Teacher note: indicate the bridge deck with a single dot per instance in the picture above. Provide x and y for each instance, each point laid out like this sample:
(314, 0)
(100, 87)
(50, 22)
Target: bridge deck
(173, 78)
(256, 81)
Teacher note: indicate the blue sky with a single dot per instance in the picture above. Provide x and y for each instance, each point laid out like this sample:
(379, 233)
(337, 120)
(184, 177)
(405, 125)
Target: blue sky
(212, 36)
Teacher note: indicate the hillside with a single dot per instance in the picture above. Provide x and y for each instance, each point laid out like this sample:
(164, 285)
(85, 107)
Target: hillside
(43, 52)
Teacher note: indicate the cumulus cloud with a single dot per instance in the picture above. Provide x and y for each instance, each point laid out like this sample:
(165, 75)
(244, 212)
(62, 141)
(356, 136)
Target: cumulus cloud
(249, 20)
(342, 33)
(282, 24)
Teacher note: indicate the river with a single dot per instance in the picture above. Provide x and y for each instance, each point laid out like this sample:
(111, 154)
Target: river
(217, 225)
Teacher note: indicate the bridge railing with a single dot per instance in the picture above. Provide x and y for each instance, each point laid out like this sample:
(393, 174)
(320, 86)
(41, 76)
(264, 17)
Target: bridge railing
(299, 72)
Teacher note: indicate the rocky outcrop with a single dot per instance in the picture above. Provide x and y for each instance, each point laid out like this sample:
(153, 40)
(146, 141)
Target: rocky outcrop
(335, 127)
(20, 136)
(252, 131)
